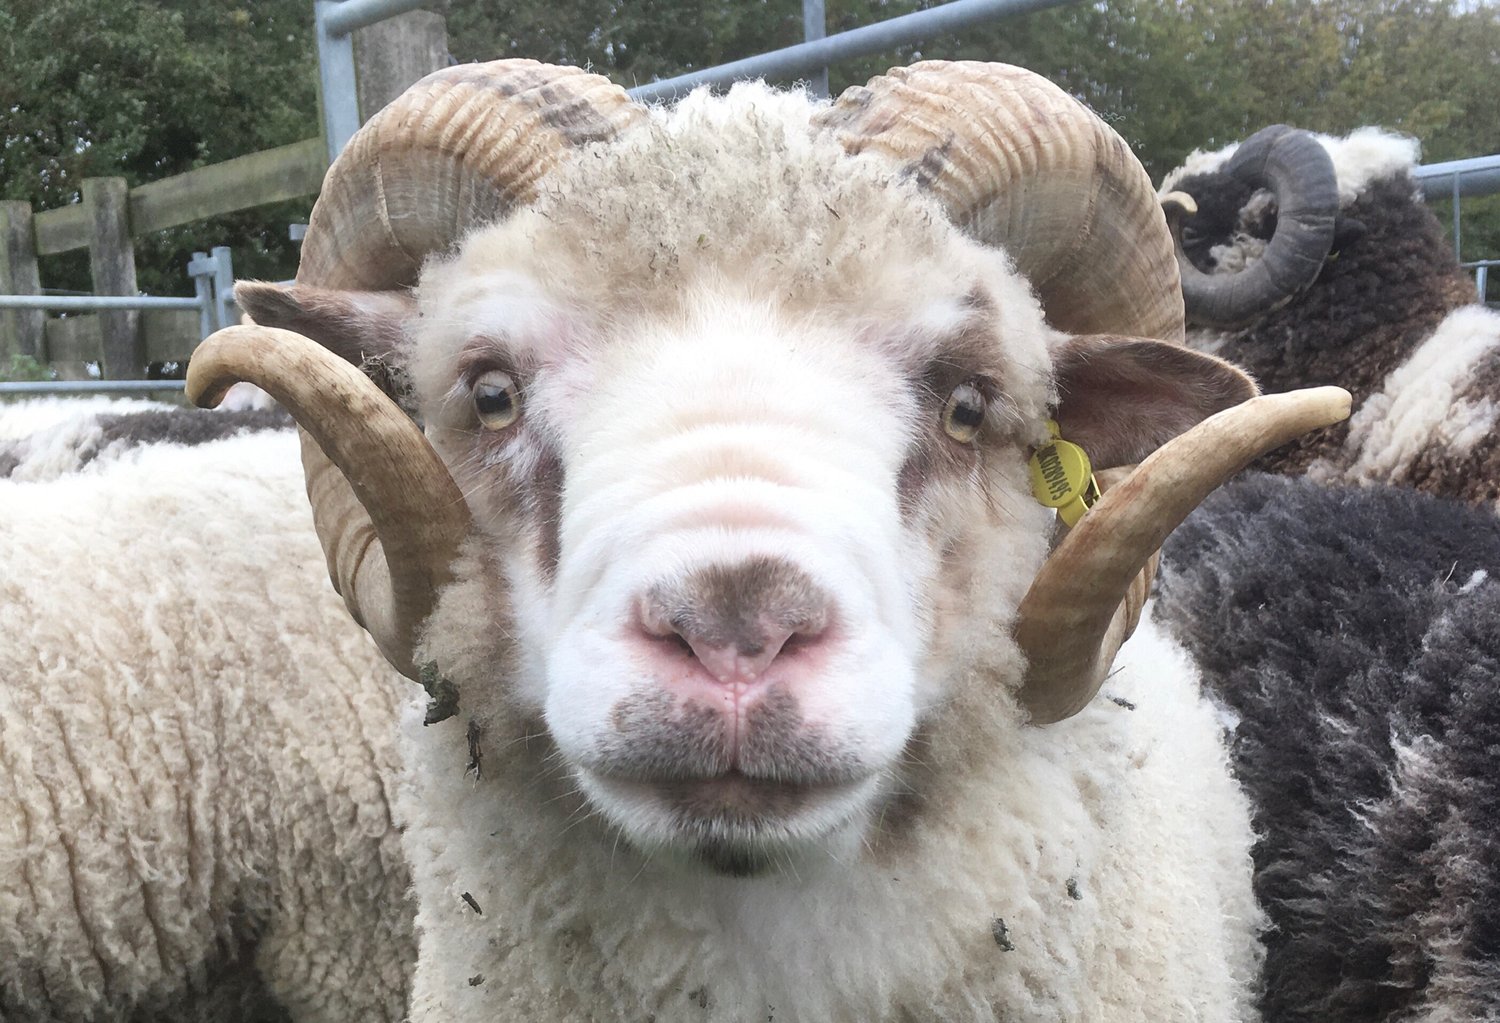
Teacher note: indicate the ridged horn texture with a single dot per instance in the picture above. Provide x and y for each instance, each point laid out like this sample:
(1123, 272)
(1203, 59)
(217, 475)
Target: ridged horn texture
(1291, 163)
(1084, 602)
(462, 147)
(1020, 164)
(389, 515)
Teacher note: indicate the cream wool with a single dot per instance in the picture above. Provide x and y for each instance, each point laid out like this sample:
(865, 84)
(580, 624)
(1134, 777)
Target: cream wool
(22, 418)
(194, 752)
(1429, 404)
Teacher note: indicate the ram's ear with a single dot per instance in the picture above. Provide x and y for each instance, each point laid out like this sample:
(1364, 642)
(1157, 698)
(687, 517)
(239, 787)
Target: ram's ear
(357, 326)
(1121, 398)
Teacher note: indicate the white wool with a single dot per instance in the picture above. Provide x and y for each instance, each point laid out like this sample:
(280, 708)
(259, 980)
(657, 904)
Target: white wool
(21, 418)
(1065, 874)
(1417, 408)
(244, 397)
(1368, 154)
(195, 748)
(56, 449)
(1364, 155)
(1199, 161)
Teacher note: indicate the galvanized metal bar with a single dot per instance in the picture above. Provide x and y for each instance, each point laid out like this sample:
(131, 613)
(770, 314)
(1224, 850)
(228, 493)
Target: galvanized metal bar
(90, 386)
(1479, 175)
(335, 79)
(814, 27)
(81, 303)
(352, 15)
(200, 269)
(793, 61)
(1458, 232)
(1482, 281)
(223, 286)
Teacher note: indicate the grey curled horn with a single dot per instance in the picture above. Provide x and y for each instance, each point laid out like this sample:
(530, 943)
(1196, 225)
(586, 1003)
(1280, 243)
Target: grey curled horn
(1298, 170)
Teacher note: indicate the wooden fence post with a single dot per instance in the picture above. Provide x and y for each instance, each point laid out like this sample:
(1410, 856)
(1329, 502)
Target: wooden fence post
(21, 330)
(391, 55)
(112, 262)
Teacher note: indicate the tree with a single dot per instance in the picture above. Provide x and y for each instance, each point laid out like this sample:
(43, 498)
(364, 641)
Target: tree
(146, 89)
(149, 88)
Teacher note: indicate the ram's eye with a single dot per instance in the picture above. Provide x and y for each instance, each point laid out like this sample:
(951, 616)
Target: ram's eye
(963, 415)
(497, 400)
(1191, 235)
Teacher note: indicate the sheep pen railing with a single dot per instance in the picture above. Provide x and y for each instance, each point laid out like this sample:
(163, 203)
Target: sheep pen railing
(1452, 181)
(369, 50)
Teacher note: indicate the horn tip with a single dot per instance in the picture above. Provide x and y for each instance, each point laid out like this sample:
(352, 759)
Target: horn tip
(209, 376)
(1179, 203)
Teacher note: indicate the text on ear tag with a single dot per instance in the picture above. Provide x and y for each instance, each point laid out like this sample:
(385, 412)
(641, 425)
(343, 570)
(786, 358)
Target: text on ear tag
(1063, 478)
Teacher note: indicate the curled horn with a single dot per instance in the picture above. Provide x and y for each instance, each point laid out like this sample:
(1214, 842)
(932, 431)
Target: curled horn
(1298, 169)
(389, 564)
(461, 147)
(1020, 164)
(1084, 602)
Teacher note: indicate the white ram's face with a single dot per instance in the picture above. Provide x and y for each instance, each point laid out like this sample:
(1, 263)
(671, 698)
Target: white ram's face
(741, 534)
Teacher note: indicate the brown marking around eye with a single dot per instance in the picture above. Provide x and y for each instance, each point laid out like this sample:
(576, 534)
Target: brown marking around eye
(544, 492)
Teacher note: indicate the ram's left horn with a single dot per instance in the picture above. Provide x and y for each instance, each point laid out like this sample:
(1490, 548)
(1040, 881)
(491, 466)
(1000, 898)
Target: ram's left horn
(1084, 602)
(358, 446)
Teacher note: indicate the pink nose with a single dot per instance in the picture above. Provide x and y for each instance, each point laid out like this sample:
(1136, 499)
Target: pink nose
(742, 660)
(737, 620)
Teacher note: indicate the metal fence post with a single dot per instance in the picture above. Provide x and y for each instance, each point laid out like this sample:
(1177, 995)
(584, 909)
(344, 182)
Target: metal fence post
(334, 25)
(337, 85)
(815, 26)
(200, 269)
(22, 331)
(223, 286)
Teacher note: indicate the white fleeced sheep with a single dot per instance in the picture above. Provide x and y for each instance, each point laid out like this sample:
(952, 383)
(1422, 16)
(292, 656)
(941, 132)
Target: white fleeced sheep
(756, 693)
(21, 418)
(1365, 293)
(194, 759)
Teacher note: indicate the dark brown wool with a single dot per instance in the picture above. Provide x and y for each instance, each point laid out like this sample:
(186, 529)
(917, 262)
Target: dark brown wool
(1375, 302)
(1354, 633)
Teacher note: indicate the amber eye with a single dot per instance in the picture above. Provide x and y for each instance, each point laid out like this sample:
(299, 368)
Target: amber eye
(497, 400)
(963, 415)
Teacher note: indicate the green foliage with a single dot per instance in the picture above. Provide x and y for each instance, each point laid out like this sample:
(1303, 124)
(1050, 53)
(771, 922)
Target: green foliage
(24, 367)
(1170, 75)
(150, 88)
(145, 89)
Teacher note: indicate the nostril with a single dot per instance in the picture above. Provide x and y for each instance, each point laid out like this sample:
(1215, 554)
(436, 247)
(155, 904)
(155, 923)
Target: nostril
(737, 620)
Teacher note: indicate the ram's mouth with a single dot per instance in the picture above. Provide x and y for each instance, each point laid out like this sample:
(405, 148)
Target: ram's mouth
(733, 823)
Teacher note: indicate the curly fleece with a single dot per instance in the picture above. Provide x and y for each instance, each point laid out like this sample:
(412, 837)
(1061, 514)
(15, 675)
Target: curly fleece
(194, 752)
(1355, 636)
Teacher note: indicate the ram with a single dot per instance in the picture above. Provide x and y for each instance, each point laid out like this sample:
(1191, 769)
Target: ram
(756, 694)
(1313, 259)
(1353, 633)
(195, 760)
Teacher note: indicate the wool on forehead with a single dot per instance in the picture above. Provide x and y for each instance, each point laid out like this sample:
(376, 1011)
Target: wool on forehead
(737, 189)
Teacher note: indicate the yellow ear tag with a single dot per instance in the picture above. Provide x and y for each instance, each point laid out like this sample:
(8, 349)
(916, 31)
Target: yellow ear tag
(1063, 478)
